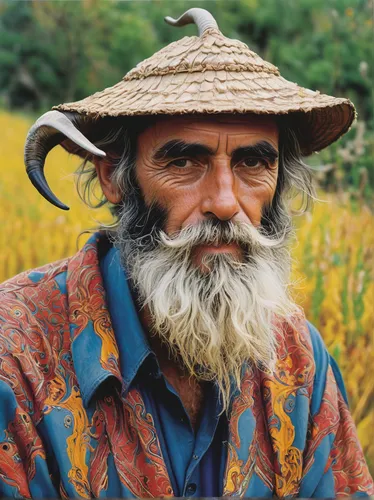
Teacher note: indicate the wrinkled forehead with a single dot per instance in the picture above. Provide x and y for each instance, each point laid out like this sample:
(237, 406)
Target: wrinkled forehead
(213, 130)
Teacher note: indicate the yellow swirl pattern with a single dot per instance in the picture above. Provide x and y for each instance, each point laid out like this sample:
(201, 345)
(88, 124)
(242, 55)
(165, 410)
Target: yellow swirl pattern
(77, 442)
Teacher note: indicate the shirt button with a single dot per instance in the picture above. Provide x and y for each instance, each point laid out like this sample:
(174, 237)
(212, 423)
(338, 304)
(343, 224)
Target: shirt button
(195, 457)
(191, 489)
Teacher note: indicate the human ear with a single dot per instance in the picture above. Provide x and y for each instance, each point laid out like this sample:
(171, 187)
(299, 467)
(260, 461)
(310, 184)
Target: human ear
(104, 170)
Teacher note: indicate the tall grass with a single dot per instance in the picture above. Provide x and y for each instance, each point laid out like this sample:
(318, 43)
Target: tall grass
(333, 271)
(334, 259)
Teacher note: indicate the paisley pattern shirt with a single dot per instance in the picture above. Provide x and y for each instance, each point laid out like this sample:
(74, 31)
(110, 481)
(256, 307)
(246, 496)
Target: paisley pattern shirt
(70, 427)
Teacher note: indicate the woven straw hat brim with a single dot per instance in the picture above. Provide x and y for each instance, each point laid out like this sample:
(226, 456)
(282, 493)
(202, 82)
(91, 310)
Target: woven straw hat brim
(317, 119)
(215, 74)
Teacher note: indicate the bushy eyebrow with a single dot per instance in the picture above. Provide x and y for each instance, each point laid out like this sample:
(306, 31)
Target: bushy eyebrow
(177, 148)
(262, 149)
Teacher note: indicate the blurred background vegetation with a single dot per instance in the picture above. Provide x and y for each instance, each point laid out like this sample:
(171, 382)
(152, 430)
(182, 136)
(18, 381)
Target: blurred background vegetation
(60, 51)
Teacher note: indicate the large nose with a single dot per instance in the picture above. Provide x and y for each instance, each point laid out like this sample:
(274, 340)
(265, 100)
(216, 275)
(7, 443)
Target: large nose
(220, 194)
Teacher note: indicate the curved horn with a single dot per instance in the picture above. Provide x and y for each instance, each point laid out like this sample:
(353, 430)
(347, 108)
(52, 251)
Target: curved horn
(201, 17)
(48, 131)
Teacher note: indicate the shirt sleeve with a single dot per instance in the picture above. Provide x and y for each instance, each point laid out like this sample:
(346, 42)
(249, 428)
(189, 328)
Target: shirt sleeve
(13, 470)
(333, 440)
(23, 466)
(346, 460)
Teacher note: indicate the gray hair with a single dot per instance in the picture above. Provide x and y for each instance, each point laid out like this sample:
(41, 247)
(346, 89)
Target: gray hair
(294, 176)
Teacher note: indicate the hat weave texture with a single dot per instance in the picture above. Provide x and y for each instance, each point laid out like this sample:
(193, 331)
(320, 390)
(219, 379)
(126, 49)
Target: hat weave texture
(210, 74)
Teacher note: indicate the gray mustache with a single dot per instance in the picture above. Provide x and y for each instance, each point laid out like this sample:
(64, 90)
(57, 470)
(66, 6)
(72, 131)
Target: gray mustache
(222, 232)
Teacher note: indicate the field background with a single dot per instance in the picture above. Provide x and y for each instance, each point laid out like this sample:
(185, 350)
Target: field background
(53, 52)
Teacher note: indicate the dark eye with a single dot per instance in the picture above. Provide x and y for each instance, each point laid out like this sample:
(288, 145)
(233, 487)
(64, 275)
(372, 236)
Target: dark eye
(180, 163)
(253, 162)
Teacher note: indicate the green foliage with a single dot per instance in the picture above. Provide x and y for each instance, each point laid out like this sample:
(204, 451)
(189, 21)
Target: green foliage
(60, 51)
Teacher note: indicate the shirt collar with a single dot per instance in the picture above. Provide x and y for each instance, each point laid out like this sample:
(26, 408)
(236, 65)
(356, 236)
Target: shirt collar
(107, 336)
(132, 342)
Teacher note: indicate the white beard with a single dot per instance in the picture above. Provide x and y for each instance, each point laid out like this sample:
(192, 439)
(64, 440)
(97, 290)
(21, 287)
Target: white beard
(214, 321)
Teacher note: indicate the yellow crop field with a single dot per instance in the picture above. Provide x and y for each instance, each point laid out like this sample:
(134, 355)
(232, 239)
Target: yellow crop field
(334, 259)
(334, 271)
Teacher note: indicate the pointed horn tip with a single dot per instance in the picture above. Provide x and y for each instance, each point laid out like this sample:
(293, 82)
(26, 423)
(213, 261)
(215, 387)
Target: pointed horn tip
(62, 123)
(38, 180)
(54, 201)
(62, 206)
(170, 20)
(201, 17)
(101, 153)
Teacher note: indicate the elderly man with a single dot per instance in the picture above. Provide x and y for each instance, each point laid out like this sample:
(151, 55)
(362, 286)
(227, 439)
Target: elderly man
(167, 358)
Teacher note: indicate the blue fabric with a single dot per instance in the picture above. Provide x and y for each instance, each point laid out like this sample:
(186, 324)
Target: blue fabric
(196, 467)
(66, 431)
(325, 487)
(323, 360)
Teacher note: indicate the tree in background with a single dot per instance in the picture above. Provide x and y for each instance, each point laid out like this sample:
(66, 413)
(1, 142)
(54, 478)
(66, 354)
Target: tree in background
(61, 51)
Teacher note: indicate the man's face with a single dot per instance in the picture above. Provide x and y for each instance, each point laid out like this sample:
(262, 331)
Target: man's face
(211, 289)
(209, 167)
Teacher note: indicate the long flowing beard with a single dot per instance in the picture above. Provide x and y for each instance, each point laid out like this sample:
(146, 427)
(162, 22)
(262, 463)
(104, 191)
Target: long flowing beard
(217, 319)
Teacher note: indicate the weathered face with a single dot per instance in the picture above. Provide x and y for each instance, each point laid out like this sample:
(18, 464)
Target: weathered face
(199, 167)
(211, 290)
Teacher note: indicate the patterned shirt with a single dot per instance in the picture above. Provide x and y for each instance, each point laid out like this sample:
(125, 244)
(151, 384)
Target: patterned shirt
(85, 411)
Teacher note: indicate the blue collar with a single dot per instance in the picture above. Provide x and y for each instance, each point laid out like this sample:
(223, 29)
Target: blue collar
(132, 343)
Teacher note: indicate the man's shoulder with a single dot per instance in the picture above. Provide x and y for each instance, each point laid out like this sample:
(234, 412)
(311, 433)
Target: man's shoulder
(301, 341)
(297, 329)
(305, 344)
(33, 325)
(39, 297)
(318, 345)
(33, 299)
(34, 279)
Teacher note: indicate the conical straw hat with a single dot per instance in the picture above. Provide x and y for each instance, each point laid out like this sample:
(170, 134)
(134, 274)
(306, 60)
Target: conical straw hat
(211, 73)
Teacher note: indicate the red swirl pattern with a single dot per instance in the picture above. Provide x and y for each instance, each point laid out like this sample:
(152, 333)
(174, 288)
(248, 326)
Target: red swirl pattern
(39, 321)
